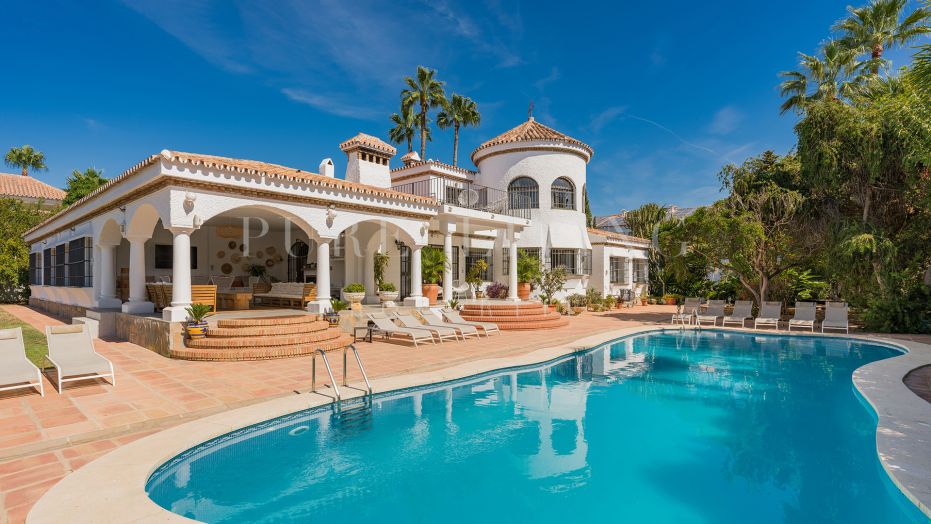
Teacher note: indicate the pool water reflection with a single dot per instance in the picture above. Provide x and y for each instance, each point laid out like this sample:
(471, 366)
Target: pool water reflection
(662, 427)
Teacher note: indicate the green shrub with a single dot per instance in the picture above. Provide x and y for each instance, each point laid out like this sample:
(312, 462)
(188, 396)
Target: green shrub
(355, 287)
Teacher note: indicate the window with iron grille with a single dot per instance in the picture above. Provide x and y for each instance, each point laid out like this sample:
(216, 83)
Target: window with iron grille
(80, 256)
(565, 258)
(35, 275)
(521, 252)
(562, 194)
(618, 270)
(58, 261)
(473, 255)
(641, 272)
(47, 267)
(585, 261)
(523, 193)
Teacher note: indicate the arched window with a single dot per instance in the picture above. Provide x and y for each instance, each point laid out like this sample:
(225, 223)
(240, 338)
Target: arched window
(563, 194)
(523, 193)
(297, 259)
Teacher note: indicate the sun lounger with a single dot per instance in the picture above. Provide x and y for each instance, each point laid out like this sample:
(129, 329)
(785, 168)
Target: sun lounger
(835, 317)
(440, 333)
(454, 318)
(15, 369)
(804, 316)
(769, 315)
(390, 329)
(71, 351)
(686, 311)
(743, 310)
(712, 313)
(435, 318)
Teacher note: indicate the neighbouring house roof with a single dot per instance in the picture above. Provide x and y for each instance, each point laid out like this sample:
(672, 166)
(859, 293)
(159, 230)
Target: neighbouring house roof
(620, 237)
(618, 221)
(251, 167)
(369, 142)
(19, 186)
(411, 157)
(531, 131)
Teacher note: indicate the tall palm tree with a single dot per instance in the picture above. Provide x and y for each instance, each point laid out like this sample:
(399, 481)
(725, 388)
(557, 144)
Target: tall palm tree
(921, 69)
(882, 25)
(832, 75)
(405, 127)
(424, 92)
(25, 158)
(458, 112)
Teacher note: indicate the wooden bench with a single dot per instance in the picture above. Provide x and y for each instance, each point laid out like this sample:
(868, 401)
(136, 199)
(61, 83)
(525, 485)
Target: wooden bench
(283, 294)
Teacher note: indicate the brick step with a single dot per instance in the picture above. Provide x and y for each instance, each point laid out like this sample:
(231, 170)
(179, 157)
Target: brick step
(265, 341)
(263, 331)
(539, 324)
(504, 305)
(539, 310)
(266, 321)
(510, 318)
(261, 353)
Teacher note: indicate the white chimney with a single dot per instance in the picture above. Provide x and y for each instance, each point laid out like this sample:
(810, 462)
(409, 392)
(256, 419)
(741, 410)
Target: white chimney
(326, 168)
(369, 160)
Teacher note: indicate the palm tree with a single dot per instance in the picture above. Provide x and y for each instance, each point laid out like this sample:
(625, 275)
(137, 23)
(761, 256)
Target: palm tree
(82, 183)
(424, 92)
(405, 127)
(921, 69)
(25, 158)
(882, 25)
(834, 76)
(460, 111)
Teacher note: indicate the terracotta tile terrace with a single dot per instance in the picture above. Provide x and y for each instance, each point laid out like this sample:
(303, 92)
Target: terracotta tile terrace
(43, 439)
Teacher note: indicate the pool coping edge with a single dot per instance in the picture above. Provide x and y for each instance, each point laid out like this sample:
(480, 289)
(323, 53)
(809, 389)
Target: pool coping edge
(112, 488)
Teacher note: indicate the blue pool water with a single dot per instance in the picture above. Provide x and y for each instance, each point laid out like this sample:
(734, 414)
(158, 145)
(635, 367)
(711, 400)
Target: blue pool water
(666, 427)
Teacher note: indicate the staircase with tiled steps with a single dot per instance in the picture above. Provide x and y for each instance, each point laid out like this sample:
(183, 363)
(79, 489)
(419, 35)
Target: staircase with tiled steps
(514, 316)
(264, 338)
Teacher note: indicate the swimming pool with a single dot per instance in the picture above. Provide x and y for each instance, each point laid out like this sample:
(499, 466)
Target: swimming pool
(663, 427)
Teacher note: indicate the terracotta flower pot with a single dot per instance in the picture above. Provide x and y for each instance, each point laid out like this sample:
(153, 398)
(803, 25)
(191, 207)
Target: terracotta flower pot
(523, 290)
(670, 301)
(578, 310)
(431, 291)
(643, 301)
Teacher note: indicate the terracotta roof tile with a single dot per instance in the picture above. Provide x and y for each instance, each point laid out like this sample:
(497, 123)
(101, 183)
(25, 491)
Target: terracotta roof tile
(27, 187)
(619, 236)
(368, 142)
(529, 131)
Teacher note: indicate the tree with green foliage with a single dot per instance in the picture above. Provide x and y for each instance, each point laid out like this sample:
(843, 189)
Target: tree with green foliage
(82, 183)
(17, 217)
(589, 217)
(424, 92)
(25, 158)
(828, 76)
(882, 25)
(646, 222)
(405, 127)
(459, 111)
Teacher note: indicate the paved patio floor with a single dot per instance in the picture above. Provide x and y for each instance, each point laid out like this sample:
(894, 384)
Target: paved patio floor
(43, 439)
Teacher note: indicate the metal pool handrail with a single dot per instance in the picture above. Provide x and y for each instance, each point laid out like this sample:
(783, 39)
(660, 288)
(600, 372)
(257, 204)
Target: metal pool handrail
(365, 377)
(313, 373)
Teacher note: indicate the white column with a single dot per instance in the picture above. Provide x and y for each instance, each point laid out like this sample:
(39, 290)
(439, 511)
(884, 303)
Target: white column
(107, 277)
(322, 304)
(512, 270)
(137, 302)
(448, 271)
(180, 276)
(416, 299)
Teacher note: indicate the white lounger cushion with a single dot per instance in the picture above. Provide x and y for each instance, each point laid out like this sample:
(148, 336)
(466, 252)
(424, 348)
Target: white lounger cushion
(14, 367)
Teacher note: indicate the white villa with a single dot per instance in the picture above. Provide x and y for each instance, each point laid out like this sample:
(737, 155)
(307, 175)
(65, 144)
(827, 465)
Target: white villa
(188, 218)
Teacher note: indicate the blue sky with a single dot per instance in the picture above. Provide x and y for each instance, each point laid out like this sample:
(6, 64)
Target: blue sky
(665, 92)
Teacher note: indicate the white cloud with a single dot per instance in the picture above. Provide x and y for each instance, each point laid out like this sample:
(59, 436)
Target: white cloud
(725, 121)
(602, 119)
(548, 79)
(332, 104)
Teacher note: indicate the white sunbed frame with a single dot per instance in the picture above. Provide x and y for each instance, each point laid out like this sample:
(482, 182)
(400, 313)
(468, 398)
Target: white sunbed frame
(20, 344)
(486, 327)
(440, 332)
(61, 373)
(714, 311)
(839, 323)
(432, 319)
(686, 311)
(389, 328)
(743, 310)
(764, 317)
(805, 315)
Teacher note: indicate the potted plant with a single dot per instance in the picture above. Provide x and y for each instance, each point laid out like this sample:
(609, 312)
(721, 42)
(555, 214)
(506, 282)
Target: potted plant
(577, 302)
(609, 302)
(196, 326)
(432, 266)
(258, 271)
(496, 290)
(669, 299)
(594, 300)
(475, 276)
(453, 304)
(354, 292)
(332, 316)
(550, 282)
(528, 269)
(387, 292)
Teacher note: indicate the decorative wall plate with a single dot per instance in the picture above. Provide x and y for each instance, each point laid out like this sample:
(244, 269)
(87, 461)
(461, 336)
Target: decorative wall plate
(232, 244)
(270, 250)
(221, 254)
(259, 254)
(242, 248)
(226, 268)
(269, 263)
(236, 258)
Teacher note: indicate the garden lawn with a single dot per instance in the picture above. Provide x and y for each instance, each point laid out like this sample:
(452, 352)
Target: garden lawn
(36, 345)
